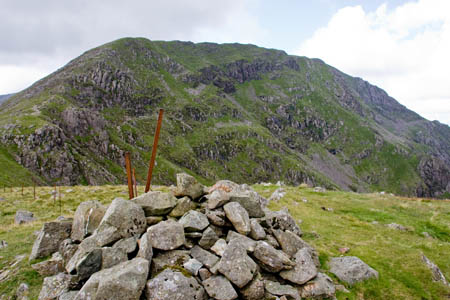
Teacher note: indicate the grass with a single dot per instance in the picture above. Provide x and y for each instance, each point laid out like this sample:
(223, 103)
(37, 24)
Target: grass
(357, 221)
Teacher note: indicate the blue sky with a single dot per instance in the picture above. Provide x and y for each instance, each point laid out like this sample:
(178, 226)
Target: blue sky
(400, 46)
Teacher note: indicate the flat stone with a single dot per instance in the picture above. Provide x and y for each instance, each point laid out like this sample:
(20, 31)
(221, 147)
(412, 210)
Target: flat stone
(183, 206)
(320, 287)
(205, 257)
(125, 281)
(49, 238)
(351, 269)
(275, 288)
(250, 203)
(236, 265)
(271, 259)
(173, 285)
(53, 266)
(156, 203)
(166, 235)
(208, 239)
(257, 231)
(112, 256)
(193, 266)
(305, 269)
(188, 186)
(238, 216)
(245, 241)
(23, 216)
(219, 288)
(289, 242)
(86, 219)
(194, 221)
(127, 244)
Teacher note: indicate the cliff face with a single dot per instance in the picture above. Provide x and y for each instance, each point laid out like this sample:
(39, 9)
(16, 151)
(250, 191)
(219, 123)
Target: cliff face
(232, 111)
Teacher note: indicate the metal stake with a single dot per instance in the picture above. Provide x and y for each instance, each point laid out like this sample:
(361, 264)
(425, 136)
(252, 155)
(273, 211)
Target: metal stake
(155, 146)
(128, 167)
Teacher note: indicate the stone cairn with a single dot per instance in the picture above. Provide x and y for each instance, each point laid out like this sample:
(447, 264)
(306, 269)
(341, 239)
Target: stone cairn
(194, 243)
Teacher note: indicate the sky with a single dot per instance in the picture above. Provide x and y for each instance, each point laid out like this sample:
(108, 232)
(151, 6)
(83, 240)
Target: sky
(402, 46)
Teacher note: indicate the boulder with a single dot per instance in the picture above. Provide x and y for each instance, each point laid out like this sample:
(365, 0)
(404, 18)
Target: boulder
(86, 219)
(89, 263)
(245, 241)
(155, 203)
(218, 287)
(67, 249)
(250, 203)
(145, 247)
(278, 289)
(125, 281)
(257, 231)
(436, 273)
(194, 221)
(174, 285)
(54, 286)
(205, 257)
(216, 217)
(183, 206)
(188, 186)
(127, 244)
(289, 242)
(351, 269)
(22, 292)
(209, 238)
(53, 266)
(304, 270)
(122, 219)
(254, 290)
(217, 198)
(166, 235)
(271, 259)
(282, 220)
(112, 256)
(321, 287)
(238, 216)
(49, 238)
(236, 265)
(23, 216)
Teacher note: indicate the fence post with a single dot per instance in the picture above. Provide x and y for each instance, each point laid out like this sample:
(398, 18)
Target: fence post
(130, 182)
(155, 146)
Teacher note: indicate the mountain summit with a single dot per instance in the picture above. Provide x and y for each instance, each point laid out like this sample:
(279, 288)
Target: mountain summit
(231, 111)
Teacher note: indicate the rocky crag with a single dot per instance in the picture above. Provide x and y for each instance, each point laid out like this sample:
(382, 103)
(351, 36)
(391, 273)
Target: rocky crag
(193, 243)
(232, 111)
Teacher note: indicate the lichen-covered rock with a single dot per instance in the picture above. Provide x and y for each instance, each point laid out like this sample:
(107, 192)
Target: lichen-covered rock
(112, 256)
(155, 203)
(205, 257)
(271, 259)
(183, 206)
(54, 286)
(289, 242)
(245, 241)
(125, 281)
(209, 238)
(165, 259)
(236, 265)
(219, 247)
(188, 186)
(127, 244)
(173, 285)
(238, 216)
(250, 203)
(166, 235)
(254, 290)
(282, 220)
(67, 249)
(89, 263)
(351, 269)
(86, 219)
(193, 266)
(319, 288)
(194, 221)
(219, 288)
(275, 288)
(122, 219)
(53, 266)
(257, 231)
(436, 273)
(217, 198)
(305, 269)
(216, 217)
(23, 216)
(145, 247)
(49, 238)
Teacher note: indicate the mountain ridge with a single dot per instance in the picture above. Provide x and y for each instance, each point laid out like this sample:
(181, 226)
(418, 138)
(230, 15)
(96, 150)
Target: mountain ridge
(232, 111)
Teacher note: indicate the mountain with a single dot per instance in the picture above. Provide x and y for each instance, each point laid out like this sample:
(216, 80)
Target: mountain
(5, 97)
(232, 111)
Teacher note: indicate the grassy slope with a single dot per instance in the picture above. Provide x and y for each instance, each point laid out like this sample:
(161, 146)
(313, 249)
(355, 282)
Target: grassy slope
(394, 254)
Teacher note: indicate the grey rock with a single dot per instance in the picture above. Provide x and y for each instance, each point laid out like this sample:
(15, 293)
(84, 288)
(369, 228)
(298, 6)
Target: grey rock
(125, 281)
(163, 260)
(272, 241)
(236, 265)
(156, 203)
(271, 259)
(277, 195)
(205, 257)
(208, 239)
(250, 203)
(275, 288)
(23, 216)
(217, 198)
(145, 247)
(53, 266)
(49, 238)
(254, 290)
(238, 216)
(193, 235)
(216, 217)
(219, 247)
(188, 186)
(204, 274)
(173, 285)
(436, 273)
(289, 242)
(397, 227)
(218, 287)
(257, 231)
(183, 206)
(282, 220)
(67, 249)
(3, 244)
(70, 295)
(127, 244)
(112, 256)
(86, 219)
(194, 221)
(245, 241)
(305, 269)
(351, 269)
(89, 263)
(166, 235)
(22, 291)
(320, 287)
(152, 220)
(54, 286)
(193, 266)
(122, 219)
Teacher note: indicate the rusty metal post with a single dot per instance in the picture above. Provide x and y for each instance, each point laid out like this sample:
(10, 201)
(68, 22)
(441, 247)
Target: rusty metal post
(135, 183)
(130, 181)
(155, 146)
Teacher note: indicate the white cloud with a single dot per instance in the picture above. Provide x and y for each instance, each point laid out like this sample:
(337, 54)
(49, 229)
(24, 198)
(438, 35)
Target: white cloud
(404, 51)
